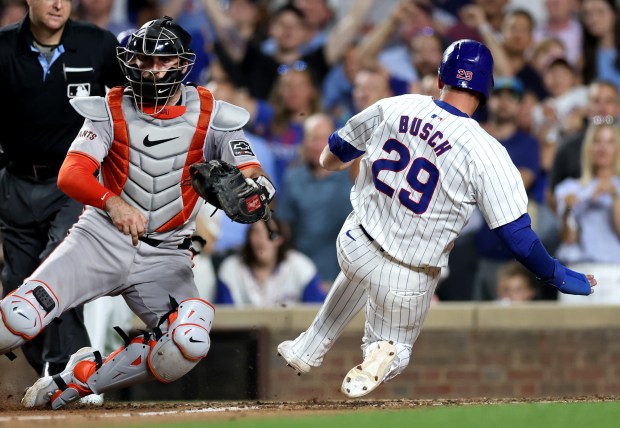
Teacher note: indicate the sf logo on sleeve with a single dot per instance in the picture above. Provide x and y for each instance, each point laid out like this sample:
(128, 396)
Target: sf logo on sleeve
(241, 148)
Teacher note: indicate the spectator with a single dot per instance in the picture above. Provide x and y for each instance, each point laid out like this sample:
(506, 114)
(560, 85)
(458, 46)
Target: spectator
(426, 51)
(405, 43)
(294, 98)
(589, 208)
(510, 55)
(99, 12)
(561, 114)
(13, 11)
(267, 273)
(515, 284)
(545, 52)
(318, 15)
(191, 15)
(562, 24)
(247, 66)
(337, 87)
(315, 202)
(47, 59)
(369, 86)
(467, 28)
(524, 152)
(601, 41)
(602, 102)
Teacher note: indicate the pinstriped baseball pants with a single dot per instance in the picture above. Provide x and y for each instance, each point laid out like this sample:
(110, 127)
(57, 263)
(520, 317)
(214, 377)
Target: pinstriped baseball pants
(396, 297)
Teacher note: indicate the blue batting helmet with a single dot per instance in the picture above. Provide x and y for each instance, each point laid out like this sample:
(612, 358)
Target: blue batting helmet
(468, 64)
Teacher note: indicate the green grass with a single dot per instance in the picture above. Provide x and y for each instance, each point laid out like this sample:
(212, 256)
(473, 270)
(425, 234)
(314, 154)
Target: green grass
(530, 415)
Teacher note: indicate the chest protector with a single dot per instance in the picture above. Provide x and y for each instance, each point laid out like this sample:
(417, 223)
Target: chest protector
(148, 162)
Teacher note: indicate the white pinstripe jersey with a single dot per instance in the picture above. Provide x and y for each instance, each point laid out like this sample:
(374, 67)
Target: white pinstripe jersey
(426, 166)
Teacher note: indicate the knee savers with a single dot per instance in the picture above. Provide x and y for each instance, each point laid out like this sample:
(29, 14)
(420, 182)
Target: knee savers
(25, 312)
(185, 343)
(174, 354)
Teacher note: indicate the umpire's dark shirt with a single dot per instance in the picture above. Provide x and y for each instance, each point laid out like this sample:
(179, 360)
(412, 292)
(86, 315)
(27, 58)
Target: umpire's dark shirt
(38, 123)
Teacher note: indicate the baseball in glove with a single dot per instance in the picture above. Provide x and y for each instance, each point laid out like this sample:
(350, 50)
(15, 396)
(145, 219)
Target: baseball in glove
(225, 187)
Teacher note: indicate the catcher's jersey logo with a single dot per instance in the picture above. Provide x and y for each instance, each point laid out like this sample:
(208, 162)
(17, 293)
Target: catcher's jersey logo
(241, 148)
(151, 143)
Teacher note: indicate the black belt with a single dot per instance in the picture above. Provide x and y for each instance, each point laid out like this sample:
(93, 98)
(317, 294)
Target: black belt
(38, 172)
(370, 238)
(185, 245)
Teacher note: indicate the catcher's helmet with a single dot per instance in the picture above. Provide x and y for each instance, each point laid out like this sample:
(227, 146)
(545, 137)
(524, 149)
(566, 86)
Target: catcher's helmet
(157, 38)
(468, 64)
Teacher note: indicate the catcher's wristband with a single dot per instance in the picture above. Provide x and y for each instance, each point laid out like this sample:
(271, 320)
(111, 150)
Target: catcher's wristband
(268, 186)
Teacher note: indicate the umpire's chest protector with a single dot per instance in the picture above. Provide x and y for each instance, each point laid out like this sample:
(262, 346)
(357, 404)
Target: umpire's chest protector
(148, 162)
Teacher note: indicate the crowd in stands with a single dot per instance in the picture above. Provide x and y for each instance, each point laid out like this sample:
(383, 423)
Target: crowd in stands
(302, 68)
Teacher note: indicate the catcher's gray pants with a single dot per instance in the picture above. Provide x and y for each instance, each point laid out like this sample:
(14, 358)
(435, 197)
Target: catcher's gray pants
(34, 218)
(396, 297)
(97, 260)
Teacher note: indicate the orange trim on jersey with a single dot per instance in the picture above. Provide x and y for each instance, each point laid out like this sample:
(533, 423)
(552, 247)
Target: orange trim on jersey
(194, 154)
(249, 165)
(115, 167)
(86, 155)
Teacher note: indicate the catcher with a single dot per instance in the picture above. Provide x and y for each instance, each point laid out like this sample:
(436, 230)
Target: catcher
(144, 141)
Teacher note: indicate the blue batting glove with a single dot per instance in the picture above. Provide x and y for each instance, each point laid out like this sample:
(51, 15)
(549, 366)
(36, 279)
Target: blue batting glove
(569, 281)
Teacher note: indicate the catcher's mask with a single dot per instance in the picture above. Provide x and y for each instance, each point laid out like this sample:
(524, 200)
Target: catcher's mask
(158, 38)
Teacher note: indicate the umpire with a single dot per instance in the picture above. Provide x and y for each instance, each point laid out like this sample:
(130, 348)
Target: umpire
(45, 60)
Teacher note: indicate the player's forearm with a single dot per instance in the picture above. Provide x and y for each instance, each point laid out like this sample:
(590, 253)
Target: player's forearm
(253, 170)
(338, 154)
(330, 161)
(77, 180)
(526, 247)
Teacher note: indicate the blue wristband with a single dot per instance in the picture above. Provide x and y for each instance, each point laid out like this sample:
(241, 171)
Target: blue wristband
(342, 149)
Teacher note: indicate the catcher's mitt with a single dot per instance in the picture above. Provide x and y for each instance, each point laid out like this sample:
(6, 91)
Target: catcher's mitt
(224, 186)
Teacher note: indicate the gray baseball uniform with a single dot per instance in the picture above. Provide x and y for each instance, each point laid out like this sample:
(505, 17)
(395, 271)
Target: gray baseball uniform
(96, 259)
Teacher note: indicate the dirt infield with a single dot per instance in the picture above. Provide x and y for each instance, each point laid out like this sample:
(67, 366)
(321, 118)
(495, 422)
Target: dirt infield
(127, 414)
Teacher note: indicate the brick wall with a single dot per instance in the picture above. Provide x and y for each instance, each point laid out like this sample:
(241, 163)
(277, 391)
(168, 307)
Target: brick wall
(459, 364)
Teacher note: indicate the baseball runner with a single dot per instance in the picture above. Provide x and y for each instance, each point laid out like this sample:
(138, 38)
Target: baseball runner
(133, 238)
(426, 164)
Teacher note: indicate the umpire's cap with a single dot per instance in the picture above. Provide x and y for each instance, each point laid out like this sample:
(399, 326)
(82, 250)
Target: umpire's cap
(468, 64)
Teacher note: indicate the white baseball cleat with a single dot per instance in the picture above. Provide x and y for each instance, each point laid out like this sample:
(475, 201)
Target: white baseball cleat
(365, 377)
(285, 350)
(92, 400)
(44, 390)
